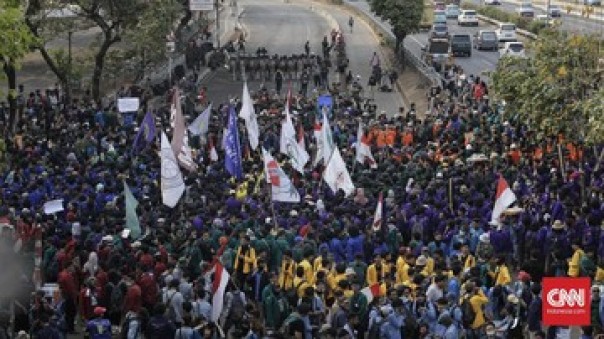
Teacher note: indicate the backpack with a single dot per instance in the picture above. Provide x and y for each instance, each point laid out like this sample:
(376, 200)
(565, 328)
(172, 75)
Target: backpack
(237, 309)
(292, 294)
(375, 328)
(468, 314)
(126, 326)
(285, 328)
(410, 325)
(170, 313)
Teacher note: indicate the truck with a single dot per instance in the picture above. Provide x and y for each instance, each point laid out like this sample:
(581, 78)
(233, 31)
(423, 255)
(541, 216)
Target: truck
(436, 54)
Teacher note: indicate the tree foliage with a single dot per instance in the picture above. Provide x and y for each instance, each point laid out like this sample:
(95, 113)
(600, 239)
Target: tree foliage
(403, 15)
(558, 89)
(143, 23)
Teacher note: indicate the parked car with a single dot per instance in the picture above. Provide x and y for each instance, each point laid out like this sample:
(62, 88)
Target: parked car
(506, 32)
(513, 49)
(439, 31)
(555, 11)
(486, 40)
(526, 10)
(492, 2)
(592, 2)
(467, 17)
(440, 17)
(452, 11)
(461, 44)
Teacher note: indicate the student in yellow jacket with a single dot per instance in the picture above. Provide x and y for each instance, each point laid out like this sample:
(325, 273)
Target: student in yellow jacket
(501, 274)
(300, 282)
(574, 264)
(309, 275)
(403, 264)
(287, 271)
(245, 260)
(377, 271)
(467, 259)
(477, 299)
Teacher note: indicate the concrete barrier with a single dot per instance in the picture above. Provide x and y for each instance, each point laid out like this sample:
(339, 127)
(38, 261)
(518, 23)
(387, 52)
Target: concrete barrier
(520, 32)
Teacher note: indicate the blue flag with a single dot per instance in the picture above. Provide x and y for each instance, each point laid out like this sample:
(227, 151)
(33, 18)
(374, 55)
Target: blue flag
(146, 133)
(232, 148)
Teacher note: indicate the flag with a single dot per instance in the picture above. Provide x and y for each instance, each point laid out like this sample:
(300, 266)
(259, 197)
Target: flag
(327, 139)
(213, 153)
(301, 141)
(318, 135)
(221, 279)
(232, 148)
(363, 149)
(371, 292)
(336, 175)
(504, 198)
(146, 133)
(172, 185)
(247, 113)
(282, 188)
(289, 144)
(378, 216)
(132, 222)
(223, 141)
(202, 122)
(180, 139)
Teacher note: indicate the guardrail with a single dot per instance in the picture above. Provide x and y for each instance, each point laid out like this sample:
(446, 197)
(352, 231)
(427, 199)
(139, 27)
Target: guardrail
(424, 69)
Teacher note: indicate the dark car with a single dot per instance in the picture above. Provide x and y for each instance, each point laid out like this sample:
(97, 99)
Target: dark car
(486, 40)
(461, 44)
(439, 31)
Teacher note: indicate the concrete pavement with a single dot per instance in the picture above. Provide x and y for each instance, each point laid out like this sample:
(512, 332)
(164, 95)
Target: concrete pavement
(296, 22)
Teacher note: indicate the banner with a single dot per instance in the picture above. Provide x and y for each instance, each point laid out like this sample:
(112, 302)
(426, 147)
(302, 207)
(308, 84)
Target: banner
(125, 105)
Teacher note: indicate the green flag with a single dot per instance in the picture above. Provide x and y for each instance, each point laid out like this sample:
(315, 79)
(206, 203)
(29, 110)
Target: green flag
(132, 222)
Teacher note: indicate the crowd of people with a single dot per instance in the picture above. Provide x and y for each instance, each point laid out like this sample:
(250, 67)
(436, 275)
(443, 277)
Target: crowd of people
(437, 267)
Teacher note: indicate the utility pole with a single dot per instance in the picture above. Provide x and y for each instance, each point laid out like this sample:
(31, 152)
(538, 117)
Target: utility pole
(549, 16)
(217, 19)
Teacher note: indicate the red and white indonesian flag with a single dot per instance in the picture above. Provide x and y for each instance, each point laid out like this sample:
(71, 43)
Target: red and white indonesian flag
(504, 198)
(378, 217)
(221, 279)
(282, 189)
(371, 292)
(363, 149)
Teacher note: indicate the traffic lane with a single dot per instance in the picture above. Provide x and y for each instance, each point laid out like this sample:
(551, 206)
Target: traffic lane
(477, 64)
(569, 23)
(283, 28)
(360, 45)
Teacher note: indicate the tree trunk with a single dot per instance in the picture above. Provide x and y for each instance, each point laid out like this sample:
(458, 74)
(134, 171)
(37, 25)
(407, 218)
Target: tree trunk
(99, 63)
(11, 76)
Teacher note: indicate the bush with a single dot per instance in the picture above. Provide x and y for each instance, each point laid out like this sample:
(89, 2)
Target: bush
(537, 26)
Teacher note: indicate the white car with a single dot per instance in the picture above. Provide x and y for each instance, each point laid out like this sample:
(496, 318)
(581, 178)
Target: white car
(492, 2)
(506, 32)
(467, 17)
(452, 11)
(513, 49)
(526, 10)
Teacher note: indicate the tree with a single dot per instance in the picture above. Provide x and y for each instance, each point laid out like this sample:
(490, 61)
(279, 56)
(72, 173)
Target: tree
(15, 42)
(558, 89)
(403, 15)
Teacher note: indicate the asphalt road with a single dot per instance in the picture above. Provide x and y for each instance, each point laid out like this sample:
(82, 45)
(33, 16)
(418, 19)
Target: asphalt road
(569, 23)
(283, 28)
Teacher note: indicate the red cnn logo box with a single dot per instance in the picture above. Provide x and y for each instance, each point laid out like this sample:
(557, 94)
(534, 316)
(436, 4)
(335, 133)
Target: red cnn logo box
(566, 301)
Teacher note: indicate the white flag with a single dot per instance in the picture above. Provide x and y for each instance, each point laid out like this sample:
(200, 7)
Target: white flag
(282, 188)
(180, 137)
(327, 137)
(377, 217)
(213, 153)
(201, 123)
(318, 135)
(289, 144)
(363, 149)
(336, 175)
(247, 113)
(172, 184)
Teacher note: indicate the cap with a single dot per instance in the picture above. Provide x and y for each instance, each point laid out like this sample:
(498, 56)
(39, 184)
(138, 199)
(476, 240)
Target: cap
(421, 261)
(350, 271)
(99, 310)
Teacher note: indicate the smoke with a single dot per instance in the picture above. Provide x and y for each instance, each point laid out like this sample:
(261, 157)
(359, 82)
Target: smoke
(15, 271)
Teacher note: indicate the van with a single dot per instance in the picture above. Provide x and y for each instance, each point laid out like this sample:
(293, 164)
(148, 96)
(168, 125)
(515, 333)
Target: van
(461, 44)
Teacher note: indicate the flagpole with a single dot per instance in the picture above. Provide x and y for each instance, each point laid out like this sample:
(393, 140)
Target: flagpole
(451, 194)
